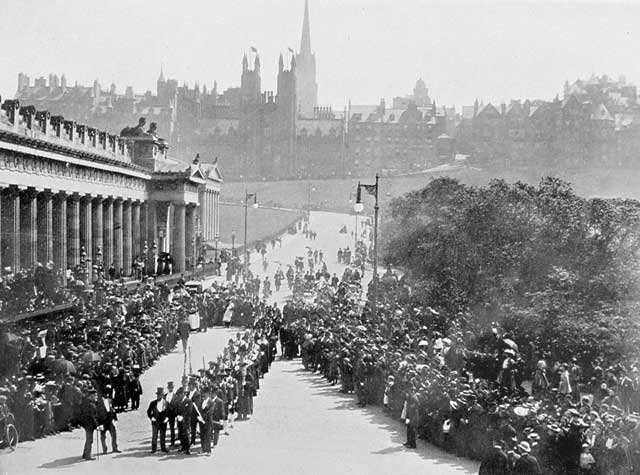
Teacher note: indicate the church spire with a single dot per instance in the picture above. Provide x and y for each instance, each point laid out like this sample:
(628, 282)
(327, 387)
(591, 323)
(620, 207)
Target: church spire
(305, 42)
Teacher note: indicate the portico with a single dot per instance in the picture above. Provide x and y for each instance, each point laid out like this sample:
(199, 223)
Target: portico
(89, 201)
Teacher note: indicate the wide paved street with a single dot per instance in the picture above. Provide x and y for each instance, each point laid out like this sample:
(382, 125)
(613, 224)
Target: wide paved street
(301, 424)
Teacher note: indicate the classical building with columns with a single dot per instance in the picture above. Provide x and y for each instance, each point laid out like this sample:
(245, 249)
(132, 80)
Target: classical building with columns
(81, 197)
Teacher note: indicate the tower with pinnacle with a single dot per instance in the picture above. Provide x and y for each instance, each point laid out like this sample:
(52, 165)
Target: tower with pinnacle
(306, 85)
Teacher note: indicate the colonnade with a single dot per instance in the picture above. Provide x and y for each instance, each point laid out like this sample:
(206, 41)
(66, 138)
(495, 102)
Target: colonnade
(78, 232)
(209, 214)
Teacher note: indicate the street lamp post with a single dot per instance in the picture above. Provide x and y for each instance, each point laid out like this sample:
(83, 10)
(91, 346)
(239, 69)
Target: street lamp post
(247, 197)
(358, 207)
(233, 241)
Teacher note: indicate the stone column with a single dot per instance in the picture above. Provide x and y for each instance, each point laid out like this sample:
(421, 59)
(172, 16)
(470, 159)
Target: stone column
(202, 199)
(117, 235)
(60, 233)
(209, 220)
(189, 234)
(45, 227)
(126, 237)
(107, 235)
(166, 217)
(178, 252)
(86, 235)
(212, 228)
(73, 231)
(216, 213)
(135, 230)
(11, 229)
(29, 228)
(151, 231)
(97, 231)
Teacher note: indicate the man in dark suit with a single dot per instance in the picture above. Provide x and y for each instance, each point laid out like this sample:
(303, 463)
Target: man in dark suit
(527, 464)
(157, 413)
(194, 397)
(218, 415)
(183, 417)
(496, 462)
(106, 418)
(206, 420)
(89, 422)
(135, 390)
(172, 402)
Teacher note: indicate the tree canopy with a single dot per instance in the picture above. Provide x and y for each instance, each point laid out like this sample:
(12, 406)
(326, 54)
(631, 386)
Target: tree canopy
(558, 270)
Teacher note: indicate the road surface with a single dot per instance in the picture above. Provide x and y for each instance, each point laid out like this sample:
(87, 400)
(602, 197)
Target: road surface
(301, 424)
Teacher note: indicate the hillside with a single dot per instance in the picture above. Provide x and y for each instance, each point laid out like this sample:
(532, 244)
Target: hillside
(334, 194)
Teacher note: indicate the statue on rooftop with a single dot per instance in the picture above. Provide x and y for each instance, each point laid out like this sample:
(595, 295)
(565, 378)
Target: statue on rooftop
(153, 130)
(137, 131)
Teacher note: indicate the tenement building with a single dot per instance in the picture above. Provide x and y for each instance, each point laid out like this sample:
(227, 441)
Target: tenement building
(74, 196)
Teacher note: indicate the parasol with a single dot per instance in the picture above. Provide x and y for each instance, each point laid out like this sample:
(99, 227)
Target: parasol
(91, 357)
(63, 366)
(511, 344)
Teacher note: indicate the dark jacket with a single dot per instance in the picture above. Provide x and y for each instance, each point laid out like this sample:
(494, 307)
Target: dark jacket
(154, 413)
(495, 463)
(89, 415)
(527, 465)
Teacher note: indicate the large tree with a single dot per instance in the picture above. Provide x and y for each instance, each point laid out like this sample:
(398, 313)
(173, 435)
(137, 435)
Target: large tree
(540, 259)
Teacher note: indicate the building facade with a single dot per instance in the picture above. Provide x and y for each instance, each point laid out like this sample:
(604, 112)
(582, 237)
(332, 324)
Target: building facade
(595, 124)
(76, 196)
(263, 134)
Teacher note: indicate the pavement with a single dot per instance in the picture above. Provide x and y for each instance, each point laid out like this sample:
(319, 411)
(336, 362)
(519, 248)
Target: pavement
(301, 424)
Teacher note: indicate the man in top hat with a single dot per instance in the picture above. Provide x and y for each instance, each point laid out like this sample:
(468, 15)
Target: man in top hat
(205, 418)
(172, 403)
(89, 421)
(183, 418)
(157, 413)
(196, 399)
(218, 414)
(106, 418)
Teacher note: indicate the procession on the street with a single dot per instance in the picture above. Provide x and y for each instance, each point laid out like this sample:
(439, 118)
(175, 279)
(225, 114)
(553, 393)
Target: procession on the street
(411, 245)
(84, 371)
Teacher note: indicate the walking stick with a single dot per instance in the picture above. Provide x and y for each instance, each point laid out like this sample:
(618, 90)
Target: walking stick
(203, 365)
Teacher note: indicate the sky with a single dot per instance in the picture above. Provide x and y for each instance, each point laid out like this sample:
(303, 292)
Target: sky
(365, 49)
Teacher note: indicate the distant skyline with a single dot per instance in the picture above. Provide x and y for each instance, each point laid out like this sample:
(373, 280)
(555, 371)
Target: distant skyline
(365, 49)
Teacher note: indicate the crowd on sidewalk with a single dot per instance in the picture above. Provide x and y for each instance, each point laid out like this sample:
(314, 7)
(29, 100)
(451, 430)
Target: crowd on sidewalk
(51, 365)
(466, 393)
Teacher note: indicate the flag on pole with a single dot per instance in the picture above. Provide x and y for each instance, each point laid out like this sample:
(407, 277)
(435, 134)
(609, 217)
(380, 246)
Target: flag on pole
(371, 189)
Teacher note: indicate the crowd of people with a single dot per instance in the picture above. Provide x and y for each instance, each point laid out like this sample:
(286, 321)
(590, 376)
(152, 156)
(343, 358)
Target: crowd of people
(54, 366)
(477, 395)
(33, 289)
(207, 402)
